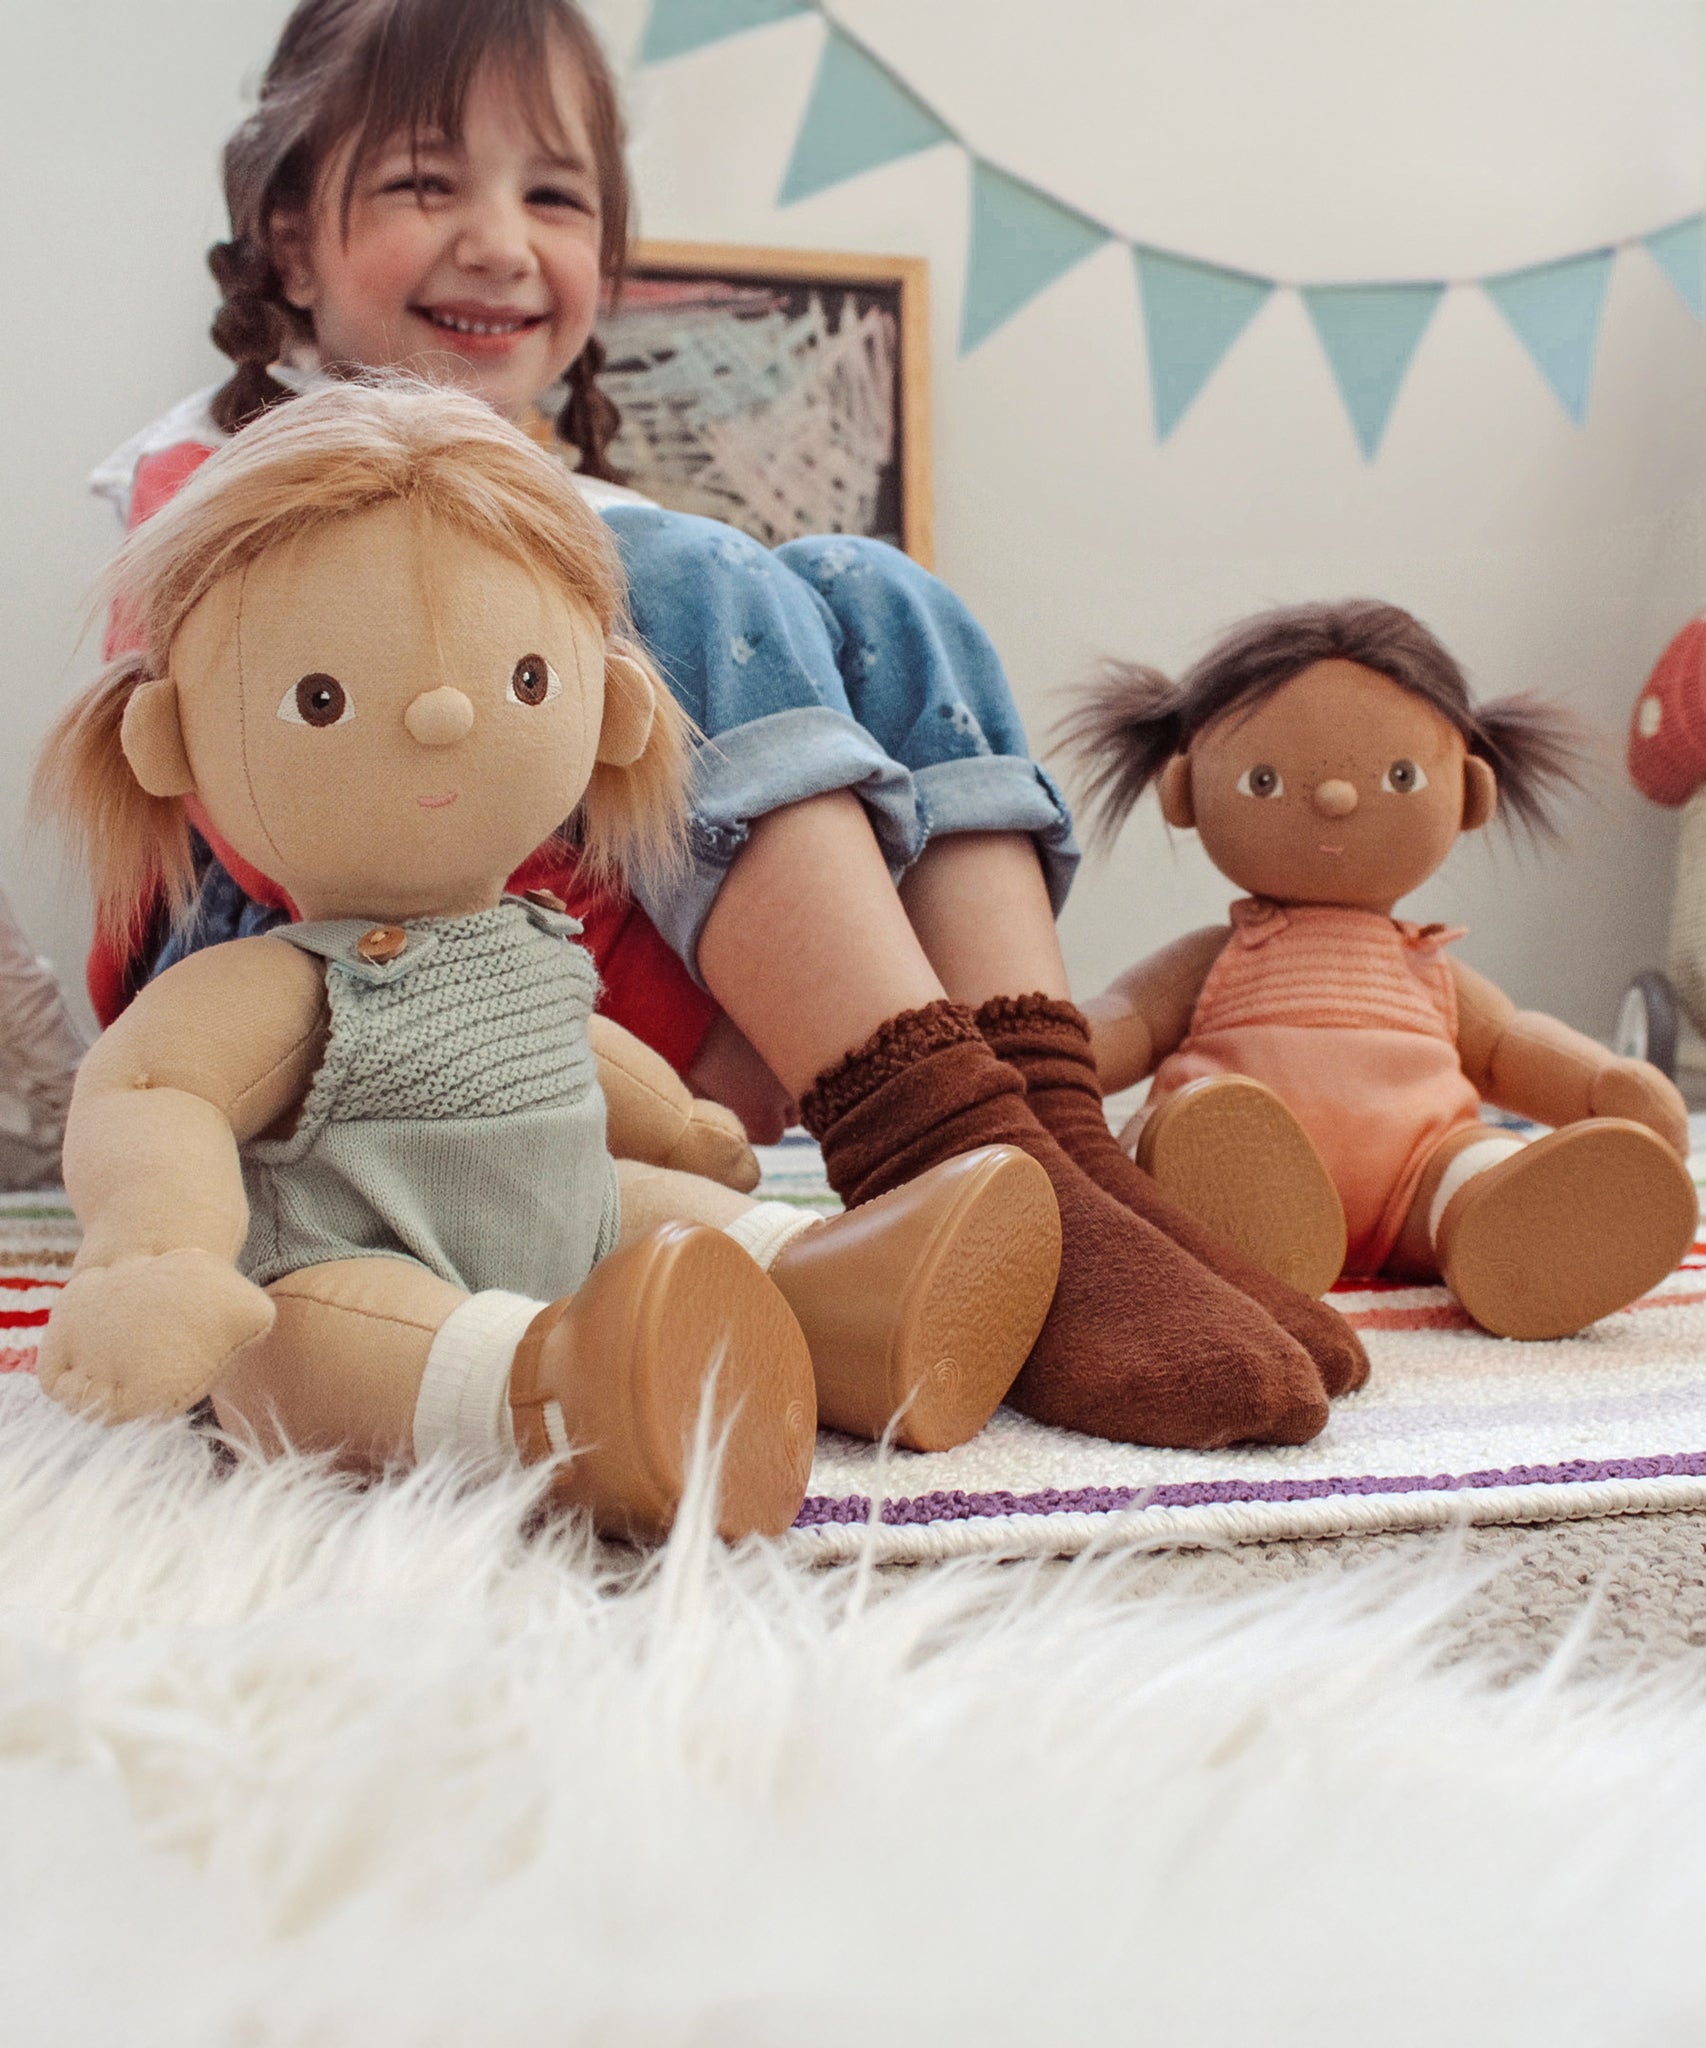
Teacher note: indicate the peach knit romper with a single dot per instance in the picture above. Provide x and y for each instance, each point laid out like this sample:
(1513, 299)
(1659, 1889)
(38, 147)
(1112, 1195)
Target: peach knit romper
(1351, 1019)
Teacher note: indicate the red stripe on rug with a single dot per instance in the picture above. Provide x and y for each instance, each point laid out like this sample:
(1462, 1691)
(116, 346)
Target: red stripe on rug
(1444, 1315)
(21, 1284)
(22, 1319)
(14, 1360)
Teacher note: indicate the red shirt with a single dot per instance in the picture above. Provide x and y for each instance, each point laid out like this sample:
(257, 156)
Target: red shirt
(643, 986)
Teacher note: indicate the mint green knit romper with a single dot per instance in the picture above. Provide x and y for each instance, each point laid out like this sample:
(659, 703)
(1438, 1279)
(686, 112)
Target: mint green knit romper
(456, 1117)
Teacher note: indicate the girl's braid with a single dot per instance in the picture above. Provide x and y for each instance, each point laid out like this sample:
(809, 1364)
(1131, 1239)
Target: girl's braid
(588, 420)
(252, 327)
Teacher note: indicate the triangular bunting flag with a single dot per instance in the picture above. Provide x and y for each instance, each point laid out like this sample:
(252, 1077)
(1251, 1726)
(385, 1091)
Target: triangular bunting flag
(1192, 314)
(676, 26)
(1554, 309)
(1021, 240)
(1680, 252)
(860, 116)
(1370, 332)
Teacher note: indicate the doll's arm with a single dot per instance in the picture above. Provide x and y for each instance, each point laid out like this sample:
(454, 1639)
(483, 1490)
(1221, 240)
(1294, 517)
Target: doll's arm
(1532, 1064)
(1141, 1017)
(214, 1052)
(656, 1119)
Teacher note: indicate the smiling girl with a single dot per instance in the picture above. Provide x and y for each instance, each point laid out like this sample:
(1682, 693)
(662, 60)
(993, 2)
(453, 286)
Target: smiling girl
(875, 859)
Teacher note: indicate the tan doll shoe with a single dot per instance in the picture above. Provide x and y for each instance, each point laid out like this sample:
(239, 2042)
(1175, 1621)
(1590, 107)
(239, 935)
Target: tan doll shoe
(926, 1301)
(1231, 1153)
(1581, 1222)
(616, 1373)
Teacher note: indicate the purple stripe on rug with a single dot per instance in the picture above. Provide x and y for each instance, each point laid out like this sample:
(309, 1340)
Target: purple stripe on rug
(957, 1506)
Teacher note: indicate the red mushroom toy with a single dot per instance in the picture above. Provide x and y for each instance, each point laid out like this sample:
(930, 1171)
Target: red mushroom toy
(1667, 729)
(1667, 762)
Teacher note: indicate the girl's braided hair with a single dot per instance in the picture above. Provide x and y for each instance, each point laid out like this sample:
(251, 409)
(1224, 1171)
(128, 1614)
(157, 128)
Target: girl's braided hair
(1131, 720)
(372, 70)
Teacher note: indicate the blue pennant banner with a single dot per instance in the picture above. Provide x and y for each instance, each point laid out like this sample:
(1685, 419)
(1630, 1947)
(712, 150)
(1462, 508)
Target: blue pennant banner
(1370, 332)
(1554, 309)
(1021, 240)
(1192, 314)
(859, 116)
(1680, 252)
(676, 26)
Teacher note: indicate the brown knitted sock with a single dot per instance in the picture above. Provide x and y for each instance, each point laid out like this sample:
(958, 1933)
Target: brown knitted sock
(1142, 1343)
(1049, 1042)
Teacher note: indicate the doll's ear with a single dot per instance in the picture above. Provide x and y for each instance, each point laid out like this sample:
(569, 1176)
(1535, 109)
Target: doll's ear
(152, 736)
(1480, 792)
(630, 704)
(1175, 792)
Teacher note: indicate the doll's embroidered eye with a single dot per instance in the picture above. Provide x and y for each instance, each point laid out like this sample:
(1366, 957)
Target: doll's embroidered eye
(1403, 778)
(533, 680)
(317, 700)
(1261, 781)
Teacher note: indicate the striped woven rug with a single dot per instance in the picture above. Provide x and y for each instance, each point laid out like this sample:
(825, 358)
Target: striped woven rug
(1453, 1426)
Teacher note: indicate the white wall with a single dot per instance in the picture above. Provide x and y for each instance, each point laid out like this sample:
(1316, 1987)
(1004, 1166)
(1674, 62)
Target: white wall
(1315, 139)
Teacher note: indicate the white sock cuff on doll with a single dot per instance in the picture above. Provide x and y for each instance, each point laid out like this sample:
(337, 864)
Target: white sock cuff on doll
(767, 1228)
(463, 1403)
(1473, 1159)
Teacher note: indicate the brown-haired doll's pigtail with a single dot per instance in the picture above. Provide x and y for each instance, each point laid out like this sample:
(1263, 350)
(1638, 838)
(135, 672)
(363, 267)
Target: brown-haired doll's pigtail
(1126, 727)
(588, 420)
(1537, 752)
(252, 327)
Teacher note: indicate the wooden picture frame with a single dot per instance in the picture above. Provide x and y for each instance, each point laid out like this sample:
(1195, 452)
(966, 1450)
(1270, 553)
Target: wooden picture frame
(784, 390)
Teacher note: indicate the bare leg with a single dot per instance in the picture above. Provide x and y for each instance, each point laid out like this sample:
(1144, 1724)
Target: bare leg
(341, 1368)
(729, 1070)
(808, 947)
(980, 908)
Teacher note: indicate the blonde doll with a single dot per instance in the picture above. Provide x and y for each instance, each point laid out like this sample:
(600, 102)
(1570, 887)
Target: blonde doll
(351, 1178)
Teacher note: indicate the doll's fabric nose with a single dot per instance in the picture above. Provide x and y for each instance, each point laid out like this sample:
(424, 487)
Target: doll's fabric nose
(1335, 799)
(438, 718)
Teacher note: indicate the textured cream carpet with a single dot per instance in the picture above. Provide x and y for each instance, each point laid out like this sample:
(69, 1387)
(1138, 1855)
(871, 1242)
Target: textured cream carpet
(286, 1764)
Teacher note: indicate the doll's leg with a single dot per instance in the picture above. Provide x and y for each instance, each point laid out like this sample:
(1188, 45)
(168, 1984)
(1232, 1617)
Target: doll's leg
(341, 1368)
(1540, 1239)
(1228, 1150)
(382, 1362)
(921, 1304)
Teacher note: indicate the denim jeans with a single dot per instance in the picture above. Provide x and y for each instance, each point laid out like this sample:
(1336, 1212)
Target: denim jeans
(221, 911)
(824, 664)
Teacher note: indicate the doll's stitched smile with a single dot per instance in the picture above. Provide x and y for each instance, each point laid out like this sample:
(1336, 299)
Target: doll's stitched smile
(437, 803)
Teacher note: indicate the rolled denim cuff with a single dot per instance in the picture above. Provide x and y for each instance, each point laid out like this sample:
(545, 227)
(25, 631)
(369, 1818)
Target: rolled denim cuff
(762, 766)
(1000, 793)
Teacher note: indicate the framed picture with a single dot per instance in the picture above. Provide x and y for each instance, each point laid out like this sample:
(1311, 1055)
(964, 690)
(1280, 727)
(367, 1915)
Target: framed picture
(783, 390)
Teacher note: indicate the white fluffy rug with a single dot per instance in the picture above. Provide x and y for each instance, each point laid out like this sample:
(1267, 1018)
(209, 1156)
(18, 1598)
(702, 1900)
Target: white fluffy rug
(282, 1762)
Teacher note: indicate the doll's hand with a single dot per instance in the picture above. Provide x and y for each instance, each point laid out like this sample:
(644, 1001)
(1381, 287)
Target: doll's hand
(1634, 1089)
(148, 1336)
(714, 1145)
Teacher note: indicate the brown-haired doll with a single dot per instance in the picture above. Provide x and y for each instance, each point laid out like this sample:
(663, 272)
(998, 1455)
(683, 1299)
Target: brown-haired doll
(354, 1179)
(1320, 1065)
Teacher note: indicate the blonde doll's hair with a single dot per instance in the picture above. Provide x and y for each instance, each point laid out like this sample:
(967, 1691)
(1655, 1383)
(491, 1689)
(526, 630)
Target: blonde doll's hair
(341, 451)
